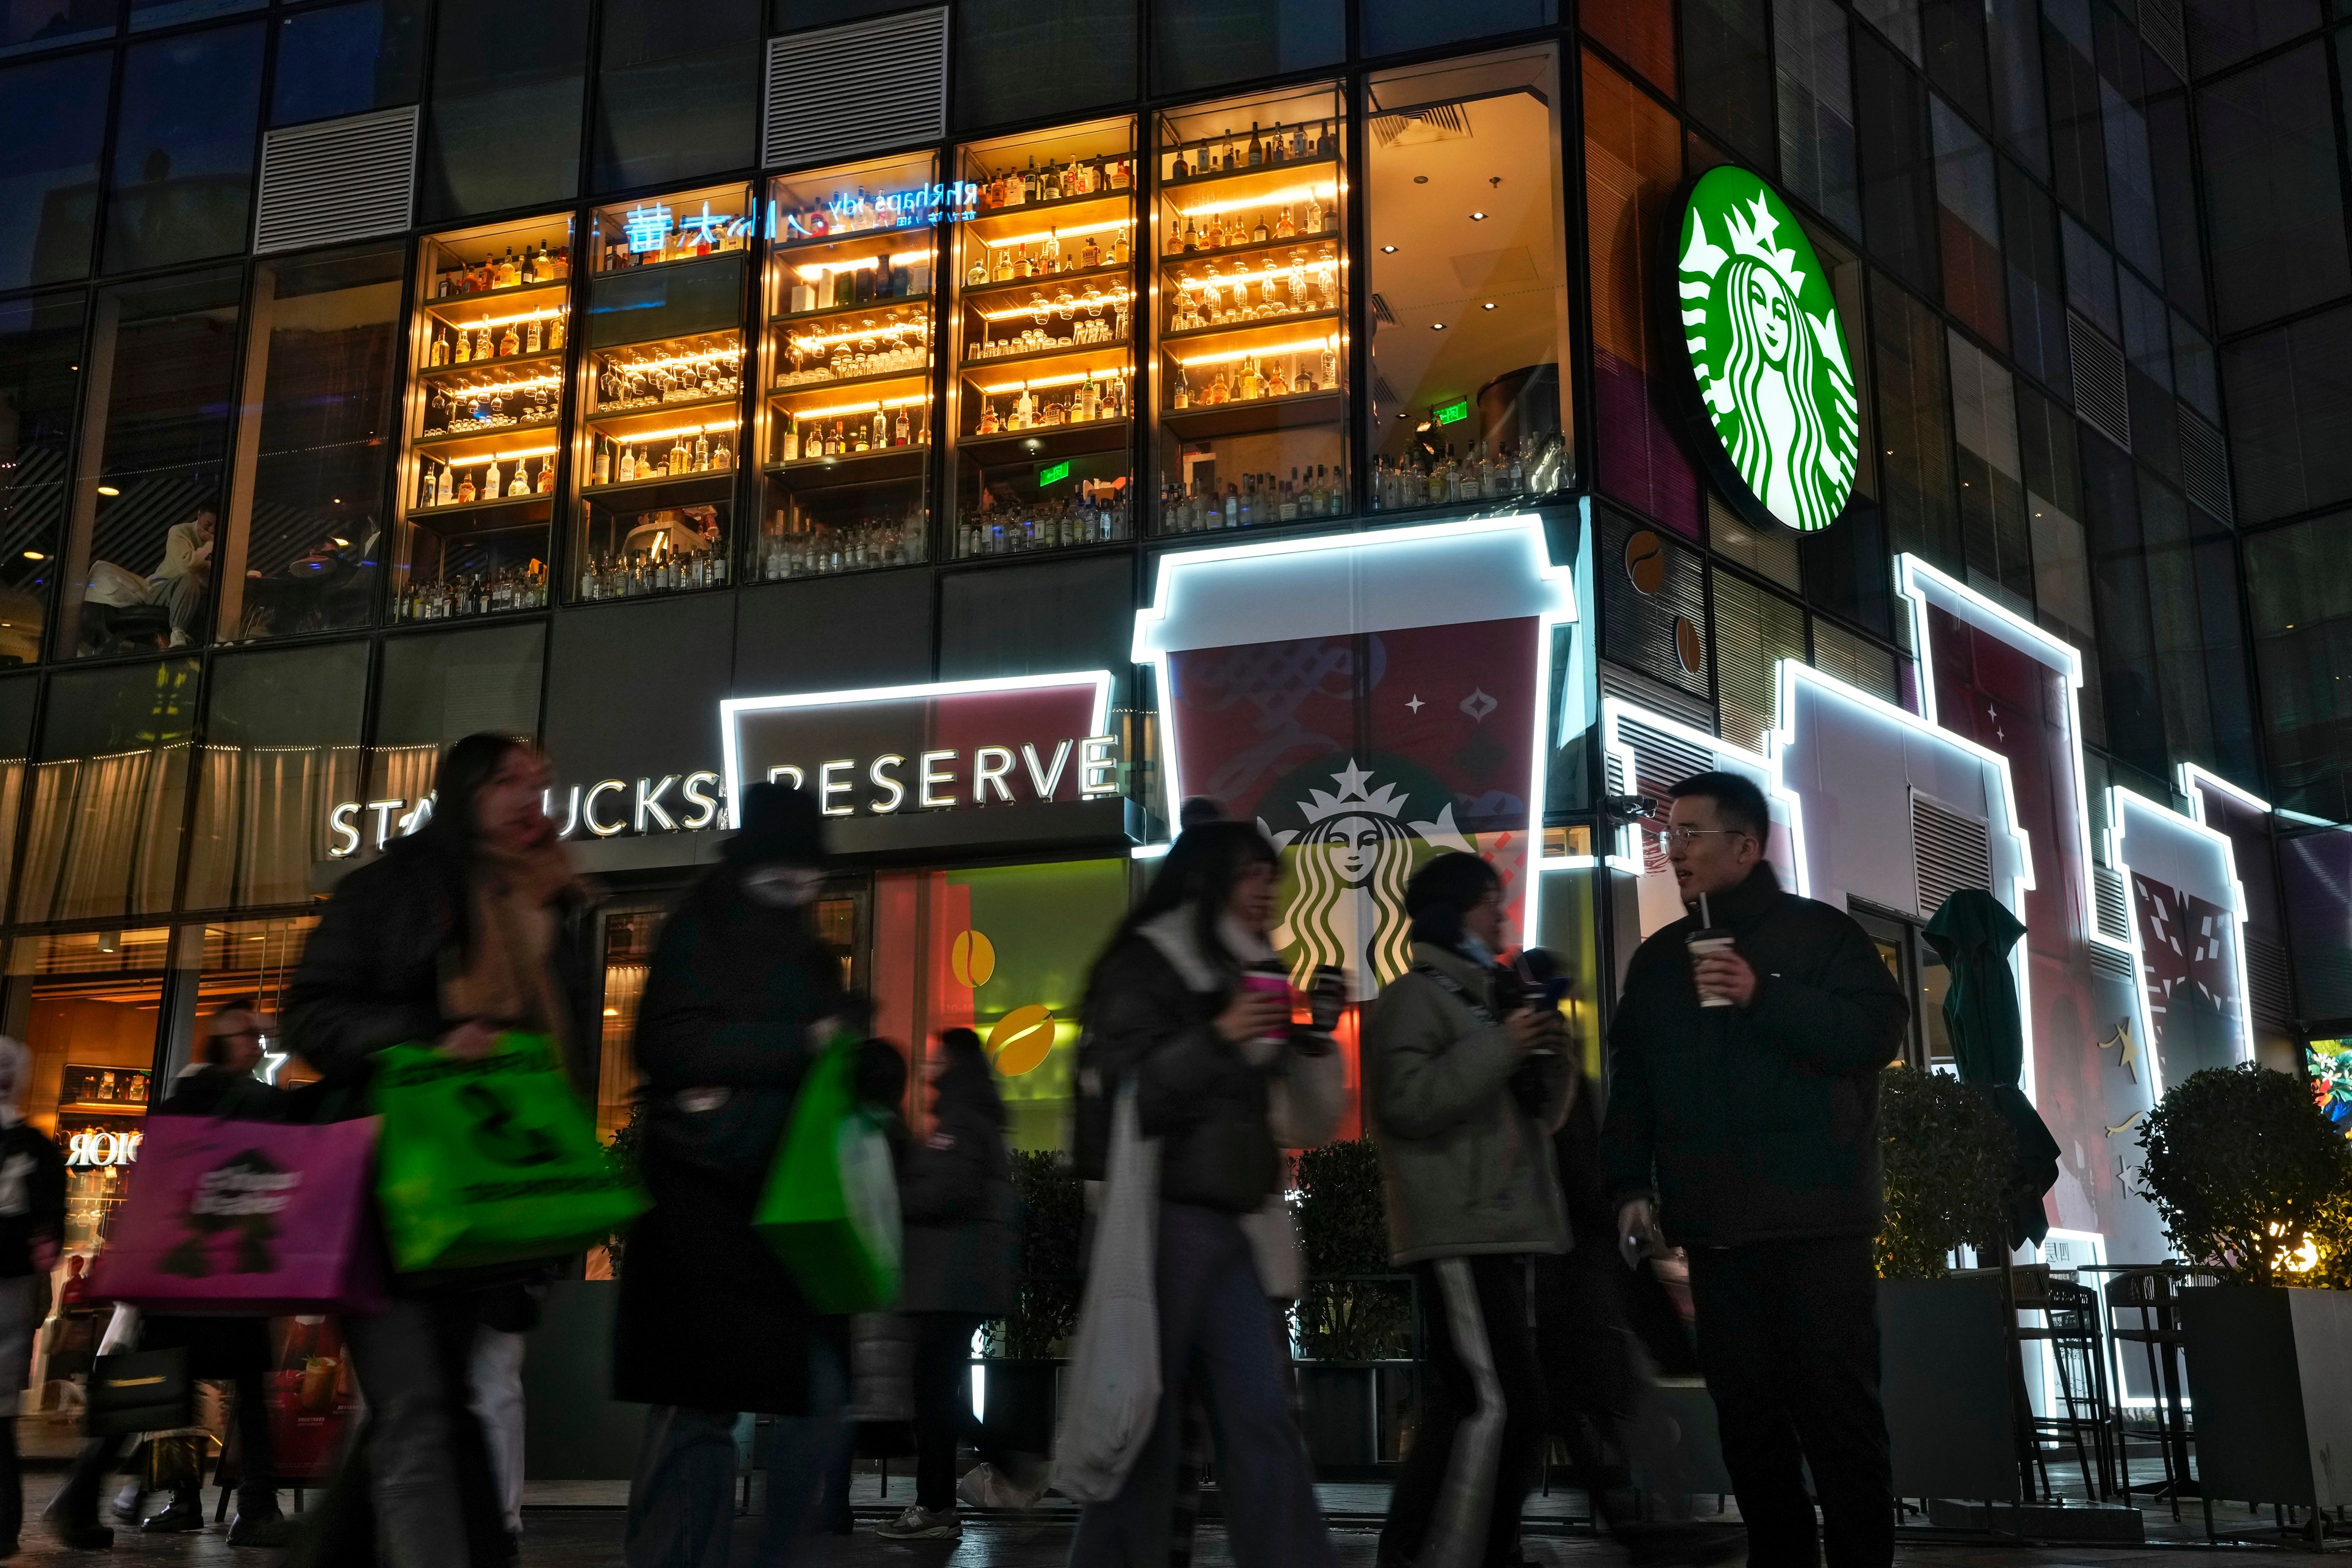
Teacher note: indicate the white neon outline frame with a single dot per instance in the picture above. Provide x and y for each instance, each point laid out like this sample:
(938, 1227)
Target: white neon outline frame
(730, 707)
(1613, 709)
(1561, 611)
(2121, 800)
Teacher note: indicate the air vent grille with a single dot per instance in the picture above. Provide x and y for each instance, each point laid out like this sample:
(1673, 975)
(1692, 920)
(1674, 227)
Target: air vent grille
(2205, 466)
(2161, 25)
(1661, 761)
(336, 179)
(2111, 962)
(2266, 980)
(1952, 852)
(865, 86)
(2108, 897)
(2099, 381)
(1438, 123)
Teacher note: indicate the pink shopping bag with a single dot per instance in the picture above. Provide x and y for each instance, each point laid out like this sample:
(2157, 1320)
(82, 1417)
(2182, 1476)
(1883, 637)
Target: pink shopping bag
(247, 1218)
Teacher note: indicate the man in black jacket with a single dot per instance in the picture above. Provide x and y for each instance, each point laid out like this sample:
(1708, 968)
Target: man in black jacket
(32, 1223)
(1743, 1112)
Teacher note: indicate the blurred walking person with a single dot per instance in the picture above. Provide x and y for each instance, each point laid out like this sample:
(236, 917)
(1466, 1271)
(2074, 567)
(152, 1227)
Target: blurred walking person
(1768, 1177)
(1169, 1010)
(955, 1191)
(471, 926)
(737, 1005)
(32, 1227)
(1466, 1079)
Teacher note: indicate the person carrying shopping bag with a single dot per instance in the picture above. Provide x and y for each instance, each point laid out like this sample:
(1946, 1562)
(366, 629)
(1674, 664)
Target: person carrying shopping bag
(1187, 1022)
(32, 1225)
(955, 1194)
(739, 1006)
(470, 928)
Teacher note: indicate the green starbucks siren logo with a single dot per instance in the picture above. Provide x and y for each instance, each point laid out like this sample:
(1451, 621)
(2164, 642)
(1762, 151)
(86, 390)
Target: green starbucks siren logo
(1767, 350)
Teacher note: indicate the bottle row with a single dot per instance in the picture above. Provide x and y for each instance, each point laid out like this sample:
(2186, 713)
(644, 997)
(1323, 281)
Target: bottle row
(1013, 262)
(625, 460)
(650, 233)
(798, 439)
(1096, 514)
(1255, 499)
(1217, 234)
(458, 484)
(1099, 397)
(510, 588)
(1423, 480)
(1056, 182)
(642, 571)
(544, 264)
(1251, 381)
(1302, 143)
(858, 281)
(806, 551)
(542, 332)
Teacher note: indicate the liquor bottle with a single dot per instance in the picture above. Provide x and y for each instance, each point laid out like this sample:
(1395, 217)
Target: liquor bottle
(628, 471)
(518, 484)
(440, 353)
(881, 428)
(492, 487)
(1259, 234)
(604, 469)
(1326, 374)
(1250, 386)
(1216, 239)
(482, 347)
(1298, 143)
(988, 425)
(1256, 147)
(1276, 149)
(508, 274)
(1180, 170)
(1192, 234)
(544, 484)
(1004, 264)
(1090, 256)
(702, 453)
(555, 331)
(1284, 228)
(466, 492)
(1049, 188)
(833, 444)
(1181, 395)
(1118, 249)
(1314, 213)
(533, 337)
(898, 434)
(679, 457)
(462, 353)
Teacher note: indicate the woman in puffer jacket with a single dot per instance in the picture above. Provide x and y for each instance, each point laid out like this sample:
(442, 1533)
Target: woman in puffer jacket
(1167, 1011)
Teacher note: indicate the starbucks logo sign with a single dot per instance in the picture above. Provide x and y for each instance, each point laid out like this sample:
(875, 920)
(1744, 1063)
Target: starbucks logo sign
(1766, 352)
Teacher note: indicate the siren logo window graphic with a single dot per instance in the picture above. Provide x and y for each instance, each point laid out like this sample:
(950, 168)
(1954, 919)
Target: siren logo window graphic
(1767, 352)
(1350, 864)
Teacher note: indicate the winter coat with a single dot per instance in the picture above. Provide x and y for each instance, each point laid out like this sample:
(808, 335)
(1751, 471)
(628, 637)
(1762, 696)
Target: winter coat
(1467, 1169)
(32, 1197)
(708, 1317)
(370, 973)
(1761, 1123)
(1147, 1020)
(955, 1193)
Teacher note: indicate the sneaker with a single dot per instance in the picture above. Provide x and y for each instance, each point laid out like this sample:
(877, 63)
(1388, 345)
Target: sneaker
(127, 1503)
(921, 1524)
(270, 1529)
(180, 1514)
(986, 1486)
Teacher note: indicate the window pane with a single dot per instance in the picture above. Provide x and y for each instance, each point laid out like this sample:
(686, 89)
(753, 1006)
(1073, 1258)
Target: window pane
(52, 125)
(16, 698)
(1639, 32)
(1915, 450)
(2018, 114)
(1897, 21)
(1899, 197)
(348, 60)
(28, 25)
(1817, 151)
(2179, 221)
(2077, 139)
(2193, 373)
(1992, 481)
(2271, 191)
(184, 149)
(1968, 205)
(1392, 26)
(1632, 162)
(2147, 363)
(305, 522)
(2090, 276)
(1469, 281)
(2299, 594)
(162, 360)
(1000, 44)
(1953, 32)
(2131, 183)
(2221, 638)
(1755, 629)
(2036, 280)
(674, 100)
(254, 958)
(1725, 83)
(1859, 663)
(503, 128)
(40, 360)
(2062, 565)
(2222, 32)
(108, 793)
(1201, 44)
(2290, 420)
(435, 689)
(149, 14)
(2119, 582)
(281, 751)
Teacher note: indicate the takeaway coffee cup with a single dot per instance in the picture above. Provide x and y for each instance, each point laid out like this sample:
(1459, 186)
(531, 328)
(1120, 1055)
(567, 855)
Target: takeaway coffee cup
(1700, 944)
(1274, 982)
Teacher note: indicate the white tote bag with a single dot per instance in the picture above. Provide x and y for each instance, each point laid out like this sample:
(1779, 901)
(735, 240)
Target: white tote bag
(1114, 1381)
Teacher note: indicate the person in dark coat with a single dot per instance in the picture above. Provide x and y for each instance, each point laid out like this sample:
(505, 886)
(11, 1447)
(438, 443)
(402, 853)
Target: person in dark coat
(1167, 1009)
(740, 999)
(955, 1194)
(32, 1226)
(1743, 1114)
(471, 926)
(218, 1083)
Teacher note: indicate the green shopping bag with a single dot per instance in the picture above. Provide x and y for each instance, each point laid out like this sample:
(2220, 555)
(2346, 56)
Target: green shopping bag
(830, 1209)
(492, 1160)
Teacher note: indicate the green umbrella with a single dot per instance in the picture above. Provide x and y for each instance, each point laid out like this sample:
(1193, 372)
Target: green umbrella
(1973, 933)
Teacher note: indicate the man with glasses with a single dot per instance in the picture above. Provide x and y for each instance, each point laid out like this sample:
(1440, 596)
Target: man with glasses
(1743, 1117)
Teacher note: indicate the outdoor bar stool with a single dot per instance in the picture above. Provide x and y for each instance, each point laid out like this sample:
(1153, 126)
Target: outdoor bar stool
(2140, 1311)
(2070, 1326)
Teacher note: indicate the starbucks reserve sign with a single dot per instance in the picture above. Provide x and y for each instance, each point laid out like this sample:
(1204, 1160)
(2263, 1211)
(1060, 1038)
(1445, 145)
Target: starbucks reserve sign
(1775, 408)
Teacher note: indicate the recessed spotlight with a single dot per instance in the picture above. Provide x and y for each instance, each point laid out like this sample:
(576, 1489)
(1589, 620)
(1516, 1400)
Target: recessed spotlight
(1487, 306)
(1437, 326)
(35, 556)
(1477, 218)
(108, 490)
(1421, 179)
(1388, 250)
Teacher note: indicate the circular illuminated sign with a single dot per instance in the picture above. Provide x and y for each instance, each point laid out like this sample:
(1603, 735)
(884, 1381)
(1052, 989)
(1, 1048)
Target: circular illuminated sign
(1766, 352)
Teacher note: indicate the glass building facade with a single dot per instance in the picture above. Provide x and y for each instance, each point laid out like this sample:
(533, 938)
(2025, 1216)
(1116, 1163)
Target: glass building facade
(650, 359)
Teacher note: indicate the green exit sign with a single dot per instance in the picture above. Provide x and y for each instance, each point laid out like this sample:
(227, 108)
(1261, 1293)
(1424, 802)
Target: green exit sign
(1053, 475)
(1452, 413)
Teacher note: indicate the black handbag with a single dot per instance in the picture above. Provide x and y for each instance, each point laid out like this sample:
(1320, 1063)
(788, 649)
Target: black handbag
(140, 1391)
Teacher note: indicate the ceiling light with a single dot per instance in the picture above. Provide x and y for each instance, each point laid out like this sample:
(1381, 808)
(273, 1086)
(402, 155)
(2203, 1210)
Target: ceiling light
(1487, 306)
(1437, 326)
(1388, 250)
(339, 543)
(1477, 218)
(108, 490)
(35, 556)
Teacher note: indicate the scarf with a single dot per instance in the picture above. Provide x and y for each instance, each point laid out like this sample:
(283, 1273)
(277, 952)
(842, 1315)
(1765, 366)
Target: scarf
(510, 979)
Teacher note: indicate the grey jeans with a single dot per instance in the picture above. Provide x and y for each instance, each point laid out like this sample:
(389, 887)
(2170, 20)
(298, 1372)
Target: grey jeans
(403, 1358)
(682, 1498)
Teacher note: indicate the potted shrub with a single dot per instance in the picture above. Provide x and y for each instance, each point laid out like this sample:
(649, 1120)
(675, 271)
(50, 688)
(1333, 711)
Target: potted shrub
(1355, 1313)
(2254, 1186)
(1025, 1347)
(1947, 1375)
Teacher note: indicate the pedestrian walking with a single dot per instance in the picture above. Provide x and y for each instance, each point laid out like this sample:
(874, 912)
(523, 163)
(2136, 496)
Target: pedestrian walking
(1743, 1126)
(955, 1193)
(232, 1350)
(1170, 1010)
(32, 1227)
(1466, 1078)
(739, 998)
(471, 926)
